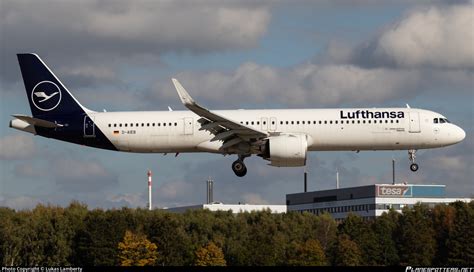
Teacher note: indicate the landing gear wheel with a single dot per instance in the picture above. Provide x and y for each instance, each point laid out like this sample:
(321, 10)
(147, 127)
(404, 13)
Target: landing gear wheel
(239, 168)
(411, 157)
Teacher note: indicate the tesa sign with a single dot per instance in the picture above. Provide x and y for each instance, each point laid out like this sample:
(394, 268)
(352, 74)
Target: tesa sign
(393, 191)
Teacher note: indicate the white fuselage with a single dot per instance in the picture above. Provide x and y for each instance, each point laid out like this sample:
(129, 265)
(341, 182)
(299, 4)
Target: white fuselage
(327, 129)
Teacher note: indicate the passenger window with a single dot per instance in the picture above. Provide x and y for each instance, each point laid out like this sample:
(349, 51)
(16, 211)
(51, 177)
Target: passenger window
(287, 122)
(391, 121)
(325, 122)
(302, 122)
(281, 122)
(336, 122)
(137, 124)
(358, 121)
(143, 124)
(347, 122)
(246, 122)
(297, 122)
(264, 122)
(330, 122)
(169, 124)
(175, 124)
(386, 121)
(363, 121)
(131, 124)
(370, 122)
(320, 122)
(435, 120)
(125, 125)
(120, 125)
(153, 124)
(110, 125)
(353, 121)
(252, 122)
(292, 122)
(258, 122)
(397, 121)
(164, 124)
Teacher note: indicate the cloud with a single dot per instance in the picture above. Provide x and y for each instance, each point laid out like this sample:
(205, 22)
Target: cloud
(308, 85)
(15, 147)
(79, 175)
(71, 34)
(253, 198)
(434, 37)
(19, 202)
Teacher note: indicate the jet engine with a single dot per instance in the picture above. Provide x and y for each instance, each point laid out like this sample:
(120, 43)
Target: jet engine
(287, 150)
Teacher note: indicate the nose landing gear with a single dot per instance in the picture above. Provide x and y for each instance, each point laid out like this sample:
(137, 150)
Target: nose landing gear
(239, 167)
(411, 156)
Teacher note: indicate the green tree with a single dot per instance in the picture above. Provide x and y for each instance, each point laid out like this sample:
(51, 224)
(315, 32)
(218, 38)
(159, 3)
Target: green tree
(460, 244)
(443, 217)
(310, 253)
(11, 237)
(416, 237)
(266, 241)
(384, 228)
(347, 252)
(362, 233)
(210, 255)
(168, 231)
(136, 250)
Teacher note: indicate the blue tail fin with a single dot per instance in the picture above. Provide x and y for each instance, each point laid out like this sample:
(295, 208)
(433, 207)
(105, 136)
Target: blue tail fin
(46, 94)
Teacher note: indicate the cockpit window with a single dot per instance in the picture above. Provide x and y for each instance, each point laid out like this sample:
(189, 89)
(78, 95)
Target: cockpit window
(446, 120)
(435, 120)
(441, 120)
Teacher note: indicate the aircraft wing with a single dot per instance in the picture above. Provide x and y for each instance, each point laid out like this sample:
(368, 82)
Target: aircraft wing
(229, 131)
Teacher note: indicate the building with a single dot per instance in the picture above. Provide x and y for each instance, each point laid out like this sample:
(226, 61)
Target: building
(368, 201)
(235, 208)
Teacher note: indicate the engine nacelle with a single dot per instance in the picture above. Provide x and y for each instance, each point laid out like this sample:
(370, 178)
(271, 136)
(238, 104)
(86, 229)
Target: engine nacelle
(287, 150)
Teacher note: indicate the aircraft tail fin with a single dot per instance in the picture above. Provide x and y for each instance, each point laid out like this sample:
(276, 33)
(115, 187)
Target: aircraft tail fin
(46, 93)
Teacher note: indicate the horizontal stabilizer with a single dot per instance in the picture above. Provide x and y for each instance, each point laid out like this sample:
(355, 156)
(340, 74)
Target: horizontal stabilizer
(36, 122)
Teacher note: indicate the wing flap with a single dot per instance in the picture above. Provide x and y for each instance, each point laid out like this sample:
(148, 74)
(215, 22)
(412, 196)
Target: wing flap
(225, 129)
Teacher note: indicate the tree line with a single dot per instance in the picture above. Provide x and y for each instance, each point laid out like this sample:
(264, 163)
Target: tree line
(74, 235)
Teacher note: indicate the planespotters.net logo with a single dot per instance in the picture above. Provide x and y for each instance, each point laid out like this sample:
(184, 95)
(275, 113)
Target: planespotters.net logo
(439, 269)
(46, 95)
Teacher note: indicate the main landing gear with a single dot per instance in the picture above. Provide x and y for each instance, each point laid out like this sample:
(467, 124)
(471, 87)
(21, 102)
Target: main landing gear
(411, 157)
(239, 167)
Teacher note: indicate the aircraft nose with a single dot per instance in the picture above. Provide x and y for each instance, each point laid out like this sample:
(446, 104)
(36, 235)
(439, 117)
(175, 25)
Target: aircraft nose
(459, 134)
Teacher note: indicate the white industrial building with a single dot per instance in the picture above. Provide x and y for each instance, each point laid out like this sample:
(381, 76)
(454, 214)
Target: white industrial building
(368, 201)
(234, 208)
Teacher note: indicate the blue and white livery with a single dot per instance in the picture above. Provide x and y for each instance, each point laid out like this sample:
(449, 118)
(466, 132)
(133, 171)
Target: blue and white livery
(283, 137)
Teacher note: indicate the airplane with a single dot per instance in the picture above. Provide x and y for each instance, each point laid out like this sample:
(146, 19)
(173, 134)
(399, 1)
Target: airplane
(281, 136)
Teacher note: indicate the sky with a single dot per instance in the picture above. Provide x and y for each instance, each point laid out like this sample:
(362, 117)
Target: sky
(121, 56)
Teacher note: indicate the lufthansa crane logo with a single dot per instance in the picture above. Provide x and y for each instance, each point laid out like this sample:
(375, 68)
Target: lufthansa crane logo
(46, 95)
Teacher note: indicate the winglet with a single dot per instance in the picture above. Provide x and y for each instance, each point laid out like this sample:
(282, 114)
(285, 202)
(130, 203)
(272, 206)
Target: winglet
(186, 99)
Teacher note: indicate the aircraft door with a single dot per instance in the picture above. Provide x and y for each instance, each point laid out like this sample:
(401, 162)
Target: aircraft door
(188, 126)
(414, 122)
(273, 124)
(89, 127)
